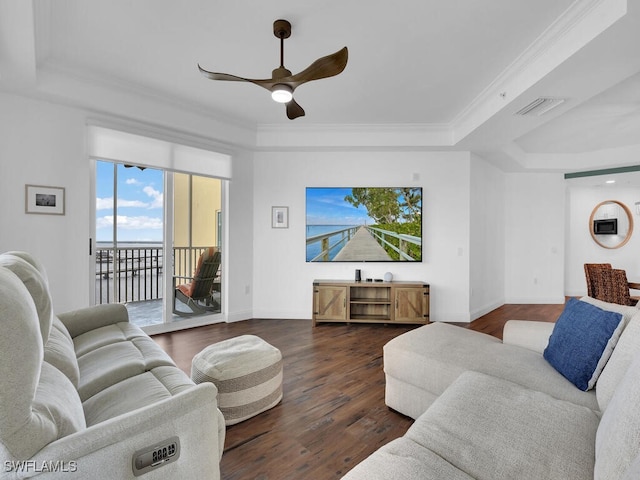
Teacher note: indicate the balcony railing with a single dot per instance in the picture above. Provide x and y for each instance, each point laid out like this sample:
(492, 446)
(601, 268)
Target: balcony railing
(138, 271)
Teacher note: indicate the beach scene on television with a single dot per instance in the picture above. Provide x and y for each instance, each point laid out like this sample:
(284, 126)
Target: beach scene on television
(364, 224)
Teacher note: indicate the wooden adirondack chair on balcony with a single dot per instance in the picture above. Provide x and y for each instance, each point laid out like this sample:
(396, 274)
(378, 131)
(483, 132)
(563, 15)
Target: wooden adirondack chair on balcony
(197, 292)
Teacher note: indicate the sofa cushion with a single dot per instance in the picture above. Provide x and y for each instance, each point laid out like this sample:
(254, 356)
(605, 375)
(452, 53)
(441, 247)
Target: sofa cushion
(582, 341)
(59, 352)
(31, 260)
(431, 357)
(618, 438)
(99, 337)
(110, 364)
(493, 429)
(626, 310)
(633, 473)
(36, 286)
(57, 399)
(627, 348)
(136, 392)
(20, 368)
(404, 459)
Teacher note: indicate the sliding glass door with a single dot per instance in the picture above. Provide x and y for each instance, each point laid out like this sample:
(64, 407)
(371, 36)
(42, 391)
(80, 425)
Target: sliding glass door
(197, 238)
(149, 260)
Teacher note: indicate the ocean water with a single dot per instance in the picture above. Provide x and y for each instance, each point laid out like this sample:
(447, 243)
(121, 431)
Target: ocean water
(315, 248)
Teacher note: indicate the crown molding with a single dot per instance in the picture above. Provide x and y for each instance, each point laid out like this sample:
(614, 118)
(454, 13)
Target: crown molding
(353, 135)
(576, 27)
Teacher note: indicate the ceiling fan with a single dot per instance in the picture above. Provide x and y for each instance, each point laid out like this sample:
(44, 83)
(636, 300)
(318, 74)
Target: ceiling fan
(282, 83)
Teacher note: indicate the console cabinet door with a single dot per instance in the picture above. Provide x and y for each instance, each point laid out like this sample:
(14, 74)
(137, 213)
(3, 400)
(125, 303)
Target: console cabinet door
(329, 303)
(411, 304)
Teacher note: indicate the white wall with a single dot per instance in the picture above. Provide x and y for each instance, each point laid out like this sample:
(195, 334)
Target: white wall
(45, 144)
(534, 238)
(487, 245)
(282, 279)
(240, 240)
(581, 247)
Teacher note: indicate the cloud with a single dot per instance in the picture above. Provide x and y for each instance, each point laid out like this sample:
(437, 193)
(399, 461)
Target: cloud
(104, 203)
(107, 203)
(130, 223)
(156, 196)
(132, 181)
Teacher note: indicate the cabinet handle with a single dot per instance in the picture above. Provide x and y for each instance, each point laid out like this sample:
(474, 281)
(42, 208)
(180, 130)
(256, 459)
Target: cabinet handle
(396, 303)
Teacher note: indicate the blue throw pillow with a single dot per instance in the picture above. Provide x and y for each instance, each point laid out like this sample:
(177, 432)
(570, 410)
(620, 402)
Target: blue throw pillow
(579, 339)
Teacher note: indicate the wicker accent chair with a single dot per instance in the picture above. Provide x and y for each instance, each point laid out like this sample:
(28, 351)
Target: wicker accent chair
(611, 285)
(197, 294)
(591, 273)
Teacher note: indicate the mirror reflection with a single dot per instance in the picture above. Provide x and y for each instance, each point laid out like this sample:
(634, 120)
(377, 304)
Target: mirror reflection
(611, 224)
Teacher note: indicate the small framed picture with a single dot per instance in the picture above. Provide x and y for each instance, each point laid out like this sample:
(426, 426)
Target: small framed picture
(279, 217)
(45, 200)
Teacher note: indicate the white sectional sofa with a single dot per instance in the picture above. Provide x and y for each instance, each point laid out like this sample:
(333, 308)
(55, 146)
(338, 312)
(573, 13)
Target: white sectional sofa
(88, 395)
(491, 409)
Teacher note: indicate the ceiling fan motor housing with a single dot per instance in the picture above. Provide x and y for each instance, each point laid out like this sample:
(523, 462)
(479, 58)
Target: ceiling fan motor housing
(280, 72)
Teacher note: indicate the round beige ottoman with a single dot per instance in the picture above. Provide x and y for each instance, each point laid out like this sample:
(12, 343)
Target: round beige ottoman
(248, 373)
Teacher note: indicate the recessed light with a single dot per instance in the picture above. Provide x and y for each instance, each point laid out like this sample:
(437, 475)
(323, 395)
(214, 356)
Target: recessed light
(610, 181)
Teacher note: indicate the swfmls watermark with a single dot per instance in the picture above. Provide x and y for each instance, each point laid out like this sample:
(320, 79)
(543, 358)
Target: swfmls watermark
(33, 466)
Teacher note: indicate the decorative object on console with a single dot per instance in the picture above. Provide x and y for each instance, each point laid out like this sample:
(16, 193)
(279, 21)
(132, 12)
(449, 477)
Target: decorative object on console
(388, 277)
(363, 224)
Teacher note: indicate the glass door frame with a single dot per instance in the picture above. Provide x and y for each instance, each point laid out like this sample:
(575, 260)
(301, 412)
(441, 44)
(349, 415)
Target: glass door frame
(168, 239)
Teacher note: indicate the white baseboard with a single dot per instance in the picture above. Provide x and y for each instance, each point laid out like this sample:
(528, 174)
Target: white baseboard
(450, 317)
(536, 300)
(288, 315)
(479, 312)
(239, 316)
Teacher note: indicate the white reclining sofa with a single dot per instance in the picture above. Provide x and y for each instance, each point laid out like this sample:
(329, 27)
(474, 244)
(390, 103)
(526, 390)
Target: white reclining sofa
(551, 401)
(87, 395)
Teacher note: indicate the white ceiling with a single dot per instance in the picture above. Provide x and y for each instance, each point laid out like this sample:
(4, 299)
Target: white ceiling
(459, 68)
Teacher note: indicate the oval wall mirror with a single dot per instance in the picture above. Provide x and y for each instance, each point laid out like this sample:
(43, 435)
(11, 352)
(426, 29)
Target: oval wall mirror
(611, 224)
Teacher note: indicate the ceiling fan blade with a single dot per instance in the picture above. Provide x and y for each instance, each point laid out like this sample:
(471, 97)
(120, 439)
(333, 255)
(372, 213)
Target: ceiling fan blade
(324, 67)
(294, 110)
(265, 83)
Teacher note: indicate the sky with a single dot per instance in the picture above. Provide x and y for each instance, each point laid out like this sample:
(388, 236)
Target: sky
(140, 203)
(326, 206)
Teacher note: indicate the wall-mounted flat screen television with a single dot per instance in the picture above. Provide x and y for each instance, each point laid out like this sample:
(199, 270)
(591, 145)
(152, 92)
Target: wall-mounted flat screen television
(364, 224)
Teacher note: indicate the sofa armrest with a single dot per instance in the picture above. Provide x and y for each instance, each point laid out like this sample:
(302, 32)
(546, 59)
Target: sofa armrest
(105, 451)
(527, 334)
(86, 319)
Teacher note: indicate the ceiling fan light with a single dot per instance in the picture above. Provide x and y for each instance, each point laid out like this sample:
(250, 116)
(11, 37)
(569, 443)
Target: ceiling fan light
(282, 93)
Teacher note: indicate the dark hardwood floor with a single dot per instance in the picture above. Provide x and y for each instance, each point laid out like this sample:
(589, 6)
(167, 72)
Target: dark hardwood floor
(333, 413)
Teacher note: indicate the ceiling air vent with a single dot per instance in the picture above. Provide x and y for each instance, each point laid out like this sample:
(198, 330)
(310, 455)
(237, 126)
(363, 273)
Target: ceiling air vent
(540, 105)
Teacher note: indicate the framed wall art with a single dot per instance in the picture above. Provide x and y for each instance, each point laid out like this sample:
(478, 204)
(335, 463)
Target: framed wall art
(279, 217)
(44, 200)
